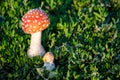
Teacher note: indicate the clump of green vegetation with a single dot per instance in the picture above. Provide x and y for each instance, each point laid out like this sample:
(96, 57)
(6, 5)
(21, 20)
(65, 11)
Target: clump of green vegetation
(84, 36)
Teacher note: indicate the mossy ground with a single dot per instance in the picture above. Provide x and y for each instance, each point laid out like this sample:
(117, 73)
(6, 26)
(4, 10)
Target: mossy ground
(84, 36)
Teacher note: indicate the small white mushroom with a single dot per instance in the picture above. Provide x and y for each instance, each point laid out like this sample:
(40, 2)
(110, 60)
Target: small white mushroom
(48, 59)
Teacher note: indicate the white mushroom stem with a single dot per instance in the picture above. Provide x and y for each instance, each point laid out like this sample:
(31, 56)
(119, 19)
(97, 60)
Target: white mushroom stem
(36, 47)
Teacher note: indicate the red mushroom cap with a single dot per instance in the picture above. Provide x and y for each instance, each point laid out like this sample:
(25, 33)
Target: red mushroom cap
(35, 20)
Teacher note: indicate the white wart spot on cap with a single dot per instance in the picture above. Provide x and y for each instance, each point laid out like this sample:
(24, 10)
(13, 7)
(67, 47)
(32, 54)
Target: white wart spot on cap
(33, 30)
(34, 26)
(28, 21)
(23, 23)
(45, 20)
(32, 16)
(29, 30)
(37, 12)
(37, 30)
(23, 19)
(34, 12)
(31, 13)
(43, 25)
(26, 25)
(47, 24)
(41, 14)
(39, 23)
(33, 9)
(36, 21)
(29, 16)
(40, 29)
(23, 28)
(26, 16)
(40, 10)
(37, 16)
(30, 26)
(42, 21)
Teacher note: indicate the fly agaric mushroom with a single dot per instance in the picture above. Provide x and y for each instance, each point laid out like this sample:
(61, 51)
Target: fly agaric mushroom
(49, 61)
(34, 22)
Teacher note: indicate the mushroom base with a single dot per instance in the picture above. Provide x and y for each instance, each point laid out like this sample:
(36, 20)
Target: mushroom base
(33, 52)
(49, 66)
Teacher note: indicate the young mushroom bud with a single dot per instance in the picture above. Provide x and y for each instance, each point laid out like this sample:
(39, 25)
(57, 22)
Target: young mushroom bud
(49, 61)
(34, 22)
(48, 57)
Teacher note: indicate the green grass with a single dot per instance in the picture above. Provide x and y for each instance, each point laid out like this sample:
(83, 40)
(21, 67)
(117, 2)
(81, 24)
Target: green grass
(84, 36)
